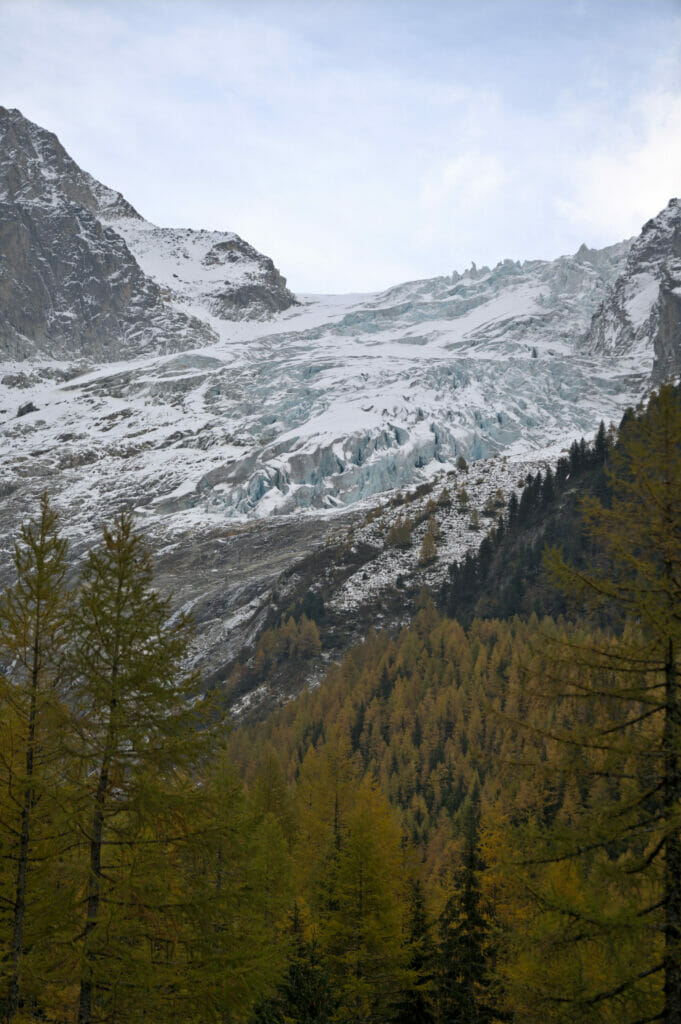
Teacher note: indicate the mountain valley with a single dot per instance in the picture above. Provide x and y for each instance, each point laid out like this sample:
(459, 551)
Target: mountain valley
(255, 433)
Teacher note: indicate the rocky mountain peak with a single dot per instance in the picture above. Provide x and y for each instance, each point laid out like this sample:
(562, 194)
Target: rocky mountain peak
(641, 316)
(84, 277)
(35, 168)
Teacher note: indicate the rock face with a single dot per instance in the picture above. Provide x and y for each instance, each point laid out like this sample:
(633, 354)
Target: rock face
(641, 315)
(668, 334)
(71, 284)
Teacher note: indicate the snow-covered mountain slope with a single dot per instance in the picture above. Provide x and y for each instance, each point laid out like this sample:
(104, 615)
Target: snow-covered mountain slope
(172, 371)
(211, 272)
(71, 285)
(329, 402)
(640, 316)
(320, 404)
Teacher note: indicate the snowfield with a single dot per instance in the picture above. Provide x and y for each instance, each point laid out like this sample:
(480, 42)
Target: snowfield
(328, 403)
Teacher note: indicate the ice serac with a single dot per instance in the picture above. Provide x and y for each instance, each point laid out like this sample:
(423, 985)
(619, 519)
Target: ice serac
(641, 316)
(329, 402)
(71, 285)
(231, 400)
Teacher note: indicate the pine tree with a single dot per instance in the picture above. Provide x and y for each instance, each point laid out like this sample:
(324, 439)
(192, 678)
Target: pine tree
(601, 445)
(548, 489)
(138, 716)
(305, 995)
(33, 621)
(512, 511)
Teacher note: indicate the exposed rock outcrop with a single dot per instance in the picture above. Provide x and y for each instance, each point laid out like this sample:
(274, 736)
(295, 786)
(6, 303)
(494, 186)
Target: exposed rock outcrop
(71, 285)
(640, 316)
(668, 334)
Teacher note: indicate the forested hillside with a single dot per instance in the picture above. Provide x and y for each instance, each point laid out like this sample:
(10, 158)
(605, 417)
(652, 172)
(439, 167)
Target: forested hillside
(467, 821)
(533, 763)
(505, 575)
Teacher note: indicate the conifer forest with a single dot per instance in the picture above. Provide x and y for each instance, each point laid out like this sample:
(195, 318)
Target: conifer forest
(473, 820)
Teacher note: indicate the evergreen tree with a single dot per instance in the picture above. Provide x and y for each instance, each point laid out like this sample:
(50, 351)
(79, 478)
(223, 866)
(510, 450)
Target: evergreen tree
(548, 489)
(138, 721)
(463, 987)
(305, 996)
(608, 886)
(33, 621)
(601, 445)
(415, 1006)
(512, 511)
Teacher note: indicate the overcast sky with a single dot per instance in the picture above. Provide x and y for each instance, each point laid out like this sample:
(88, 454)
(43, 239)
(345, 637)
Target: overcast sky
(361, 144)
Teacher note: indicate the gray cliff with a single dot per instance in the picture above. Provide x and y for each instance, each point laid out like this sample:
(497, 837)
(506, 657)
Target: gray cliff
(71, 286)
(642, 312)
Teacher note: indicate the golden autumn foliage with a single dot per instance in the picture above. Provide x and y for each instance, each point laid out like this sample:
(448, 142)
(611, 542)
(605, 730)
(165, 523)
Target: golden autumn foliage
(458, 825)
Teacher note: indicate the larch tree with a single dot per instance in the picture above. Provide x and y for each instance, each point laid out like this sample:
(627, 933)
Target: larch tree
(428, 549)
(234, 874)
(362, 924)
(604, 879)
(33, 625)
(138, 714)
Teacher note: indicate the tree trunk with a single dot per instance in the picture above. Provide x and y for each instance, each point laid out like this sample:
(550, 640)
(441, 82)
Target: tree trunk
(87, 981)
(24, 840)
(672, 867)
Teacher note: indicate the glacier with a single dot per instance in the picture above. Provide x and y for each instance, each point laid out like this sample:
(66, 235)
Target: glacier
(172, 372)
(329, 402)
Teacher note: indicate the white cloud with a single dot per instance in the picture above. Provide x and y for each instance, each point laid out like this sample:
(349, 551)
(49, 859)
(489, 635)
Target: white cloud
(631, 174)
(464, 182)
(369, 151)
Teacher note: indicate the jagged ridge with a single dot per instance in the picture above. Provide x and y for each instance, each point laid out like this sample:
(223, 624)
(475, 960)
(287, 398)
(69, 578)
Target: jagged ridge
(70, 282)
(642, 313)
